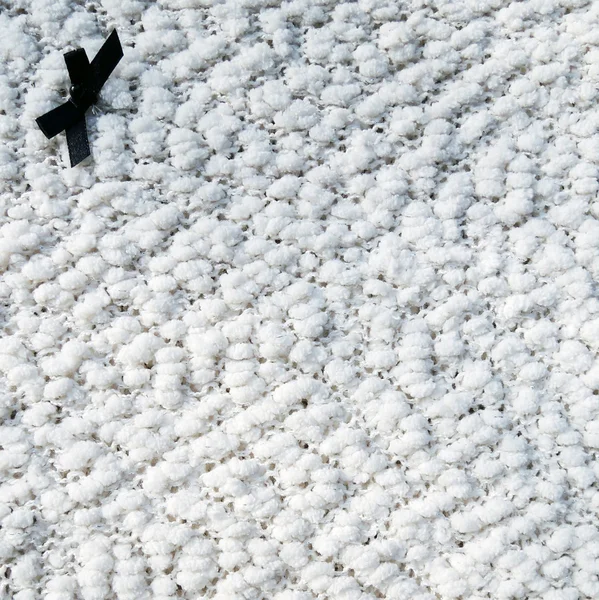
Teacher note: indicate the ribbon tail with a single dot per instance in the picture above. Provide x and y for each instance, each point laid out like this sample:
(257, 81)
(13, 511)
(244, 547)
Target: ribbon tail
(105, 61)
(78, 142)
(58, 119)
(77, 65)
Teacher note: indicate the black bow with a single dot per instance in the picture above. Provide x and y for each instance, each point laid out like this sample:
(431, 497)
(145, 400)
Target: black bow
(86, 82)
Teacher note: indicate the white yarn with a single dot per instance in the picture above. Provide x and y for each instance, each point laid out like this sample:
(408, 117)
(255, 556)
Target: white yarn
(319, 317)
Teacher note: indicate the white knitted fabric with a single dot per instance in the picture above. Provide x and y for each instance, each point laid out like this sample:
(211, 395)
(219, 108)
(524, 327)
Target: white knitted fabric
(318, 319)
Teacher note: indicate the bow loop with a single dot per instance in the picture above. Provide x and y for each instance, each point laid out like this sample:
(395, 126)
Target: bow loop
(86, 82)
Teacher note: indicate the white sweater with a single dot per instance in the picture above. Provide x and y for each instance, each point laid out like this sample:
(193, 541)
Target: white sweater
(318, 319)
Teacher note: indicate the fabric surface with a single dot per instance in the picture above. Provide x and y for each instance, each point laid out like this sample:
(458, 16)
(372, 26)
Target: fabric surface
(318, 319)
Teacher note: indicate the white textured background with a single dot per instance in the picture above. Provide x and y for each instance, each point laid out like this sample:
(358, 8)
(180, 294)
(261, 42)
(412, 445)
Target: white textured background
(319, 319)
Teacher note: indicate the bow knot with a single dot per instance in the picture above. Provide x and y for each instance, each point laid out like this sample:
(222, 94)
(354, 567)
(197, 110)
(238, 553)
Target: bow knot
(87, 80)
(82, 97)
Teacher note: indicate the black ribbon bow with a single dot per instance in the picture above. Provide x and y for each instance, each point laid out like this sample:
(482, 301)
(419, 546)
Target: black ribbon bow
(86, 82)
